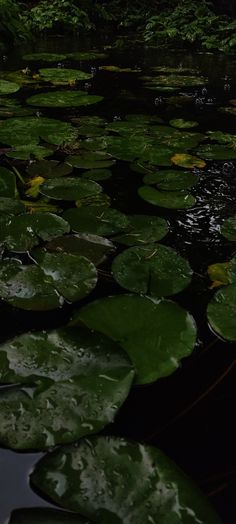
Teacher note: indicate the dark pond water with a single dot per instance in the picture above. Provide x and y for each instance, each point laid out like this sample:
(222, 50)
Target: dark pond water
(202, 439)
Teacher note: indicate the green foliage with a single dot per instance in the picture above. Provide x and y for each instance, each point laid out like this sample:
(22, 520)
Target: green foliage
(12, 27)
(192, 23)
(57, 15)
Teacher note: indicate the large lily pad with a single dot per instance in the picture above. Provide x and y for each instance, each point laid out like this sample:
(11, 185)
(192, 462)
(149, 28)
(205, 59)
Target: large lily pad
(228, 228)
(143, 229)
(10, 206)
(187, 161)
(171, 179)
(102, 222)
(90, 160)
(216, 152)
(69, 188)
(70, 383)
(93, 247)
(28, 131)
(44, 57)
(25, 231)
(49, 169)
(180, 123)
(45, 516)
(7, 88)
(7, 183)
(153, 270)
(97, 174)
(86, 55)
(142, 327)
(178, 80)
(61, 75)
(63, 99)
(221, 312)
(30, 151)
(169, 199)
(114, 480)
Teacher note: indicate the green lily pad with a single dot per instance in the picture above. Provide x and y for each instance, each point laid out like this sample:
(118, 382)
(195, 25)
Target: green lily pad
(30, 151)
(228, 110)
(153, 270)
(168, 199)
(10, 206)
(143, 229)
(102, 222)
(144, 485)
(93, 247)
(6, 88)
(97, 174)
(171, 179)
(140, 147)
(177, 80)
(45, 516)
(61, 75)
(22, 77)
(221, 312)
(49, 169)
(216, 152)
(73, 276)
(142, 327)
(70, 383)
(28, 131)
(90, 160)
(100, 200)
(223, 138)
(228, 228)
(22, 233)
(176, 70)
(86, 55)
(63, 99)
(44, 57)
(180, 123)
(223, 272)
(7, 183)
(69, 188)
(188, 161)
(117, 69)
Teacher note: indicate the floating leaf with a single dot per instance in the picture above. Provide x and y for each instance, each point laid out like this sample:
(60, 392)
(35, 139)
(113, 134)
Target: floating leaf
(63, 99)
(216, 152)
(183, 124)
(30, 150)
(116, 69)
(10, 206)
(228, 110)
(7, 183)
(73, 383)
(97, 174)
(44, 57)
(153, 270)
(100, 200)
(7, 88)
(26, 132)
(221, 312)
(177, 80)
(103, 222)
(86, 55)
(62, 75)
(73, 276)
(142, 327)
(49, 169)
(144, 485)
(69, 188)
(93, 247)
(223, 272)
(171, 179)
(45, 516)
(228, 228)
(143, 229)
(188, 161)
(169, 199)
(223, 138)
(90, 160)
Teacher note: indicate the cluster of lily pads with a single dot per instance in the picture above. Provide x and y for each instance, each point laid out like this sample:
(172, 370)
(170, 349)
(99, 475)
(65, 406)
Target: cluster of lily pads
(70, 382)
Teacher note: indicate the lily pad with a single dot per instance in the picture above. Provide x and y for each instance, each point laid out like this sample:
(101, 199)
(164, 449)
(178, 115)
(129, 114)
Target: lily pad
(97, 174)
(171, 179)
(73, 276)
(221, 312)
(153, 270)
(49, 169)
(30, 151)
(45, 516)
(177, 80)
(63, 99)
(6, 88)
(142, 327)
(223, 273)
(44, 57)
(144, 485)
(91, 160)
(24, 232)
(143, 229)
(7, 183)
(188, 161)
(70, 383)
(180, 123)
(93, 247)
(216, 152)
(86, 55)
(28, 131)
(228, 228)
(61, 75)
(69, 188)
(168, 199)
(117, 69)
(102, 222)
(228, 110)
(10, 206)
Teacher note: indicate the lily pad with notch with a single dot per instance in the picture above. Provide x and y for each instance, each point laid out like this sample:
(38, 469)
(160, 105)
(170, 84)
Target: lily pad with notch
(69, 188)
(7, 88)
(97, 174)
(141, 326)
(221, 312)
(102, 222)
(171, 179)
(10, 206)
(28, 131)
(143, 229)
(167, 199)
(93, 247)
(62, 75)
(144, 484)
(29, 151)
(49, 169)
(90, 160)
(216, 152)
(68, 383)
(63, 99)
(153, 270)
(44, 57)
